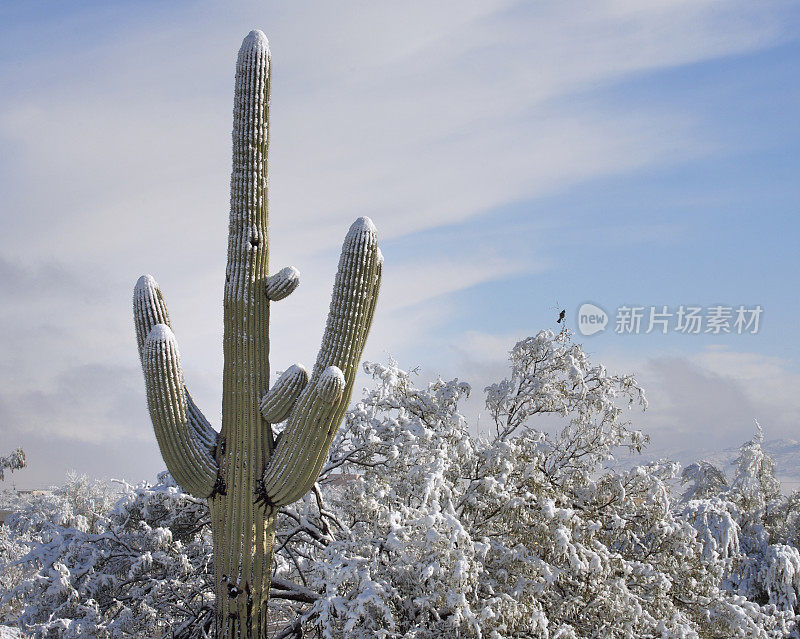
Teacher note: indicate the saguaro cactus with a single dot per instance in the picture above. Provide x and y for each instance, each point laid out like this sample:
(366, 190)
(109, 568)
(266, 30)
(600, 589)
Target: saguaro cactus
(242, 471)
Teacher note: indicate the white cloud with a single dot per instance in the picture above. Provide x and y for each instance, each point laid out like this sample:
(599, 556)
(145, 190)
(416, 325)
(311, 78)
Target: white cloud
(769, 383)
(708, 400)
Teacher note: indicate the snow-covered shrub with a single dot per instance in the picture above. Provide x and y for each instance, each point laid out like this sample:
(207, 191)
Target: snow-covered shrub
(89, 561)
(751, 528)
(419, 529)
(12, 462)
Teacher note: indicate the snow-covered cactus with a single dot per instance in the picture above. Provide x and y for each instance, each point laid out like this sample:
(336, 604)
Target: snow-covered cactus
(246, 474)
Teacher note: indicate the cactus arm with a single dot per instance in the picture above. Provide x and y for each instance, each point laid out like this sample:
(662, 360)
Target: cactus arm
(282, 283)
(189, 462)
(278, 401)
(313, 421)
(149, 309)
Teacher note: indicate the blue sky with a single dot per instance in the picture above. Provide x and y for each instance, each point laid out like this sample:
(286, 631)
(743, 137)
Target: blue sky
(517, 158)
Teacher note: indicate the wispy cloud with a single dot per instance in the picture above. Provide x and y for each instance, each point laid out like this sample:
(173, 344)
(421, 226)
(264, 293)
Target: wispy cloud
(422, 116)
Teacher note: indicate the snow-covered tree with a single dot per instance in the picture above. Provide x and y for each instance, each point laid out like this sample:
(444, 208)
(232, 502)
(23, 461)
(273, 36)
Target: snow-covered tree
(523, 533)
(418, 528)
(750, 526)
(92, 562)
(12, 462)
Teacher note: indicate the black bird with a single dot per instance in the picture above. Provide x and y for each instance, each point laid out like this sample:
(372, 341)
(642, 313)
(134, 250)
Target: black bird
(561, 317)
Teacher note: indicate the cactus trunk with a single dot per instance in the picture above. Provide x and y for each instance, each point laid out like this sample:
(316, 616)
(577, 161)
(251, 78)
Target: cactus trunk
(243, 532)
(242, 473)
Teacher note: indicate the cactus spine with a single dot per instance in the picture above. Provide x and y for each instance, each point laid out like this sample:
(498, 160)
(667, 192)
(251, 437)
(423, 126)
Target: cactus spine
(242, 471)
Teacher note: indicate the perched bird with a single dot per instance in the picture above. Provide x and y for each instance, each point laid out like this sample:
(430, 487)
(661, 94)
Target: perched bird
(561, 317)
